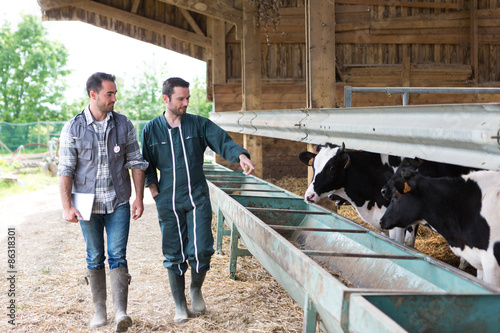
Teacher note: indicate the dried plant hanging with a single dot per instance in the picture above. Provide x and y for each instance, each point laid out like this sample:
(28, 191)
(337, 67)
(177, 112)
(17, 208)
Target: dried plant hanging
(269, 14)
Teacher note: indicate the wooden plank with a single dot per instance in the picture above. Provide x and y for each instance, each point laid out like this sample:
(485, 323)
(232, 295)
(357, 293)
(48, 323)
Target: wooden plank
(418, 24)
(417, 4)
(352, 26)
(364, 38)
(341, 10)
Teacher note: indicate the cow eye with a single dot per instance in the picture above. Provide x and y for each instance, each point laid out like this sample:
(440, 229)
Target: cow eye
(332, 168)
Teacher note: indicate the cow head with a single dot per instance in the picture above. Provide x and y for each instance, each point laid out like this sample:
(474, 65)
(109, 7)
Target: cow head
(407, 164)
(329, 165)
(406, 202)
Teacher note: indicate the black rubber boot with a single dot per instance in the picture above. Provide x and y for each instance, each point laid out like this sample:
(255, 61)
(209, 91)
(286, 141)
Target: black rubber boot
(177, 286)
(197, 301)
(120, 280)
(97, 281)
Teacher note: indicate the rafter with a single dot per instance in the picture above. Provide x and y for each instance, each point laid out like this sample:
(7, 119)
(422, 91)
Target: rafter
(221, 9)
(135, 6)
(191, 21)
(134, 19)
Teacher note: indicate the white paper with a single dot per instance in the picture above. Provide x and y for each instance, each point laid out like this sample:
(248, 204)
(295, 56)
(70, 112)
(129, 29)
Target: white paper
(83, 202)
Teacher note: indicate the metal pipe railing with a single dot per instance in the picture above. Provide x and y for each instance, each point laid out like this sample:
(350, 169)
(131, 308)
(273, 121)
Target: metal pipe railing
(348, 90)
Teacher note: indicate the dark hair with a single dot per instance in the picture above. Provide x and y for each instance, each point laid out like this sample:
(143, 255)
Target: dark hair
(94, 82)
(171, 83)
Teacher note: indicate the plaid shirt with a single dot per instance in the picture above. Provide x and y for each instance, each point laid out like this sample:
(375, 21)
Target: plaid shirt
(105, 201)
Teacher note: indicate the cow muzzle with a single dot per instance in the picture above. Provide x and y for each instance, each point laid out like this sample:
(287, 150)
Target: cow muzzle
(311, 197)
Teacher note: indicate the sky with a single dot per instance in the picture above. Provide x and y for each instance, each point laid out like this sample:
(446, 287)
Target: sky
(93, 49)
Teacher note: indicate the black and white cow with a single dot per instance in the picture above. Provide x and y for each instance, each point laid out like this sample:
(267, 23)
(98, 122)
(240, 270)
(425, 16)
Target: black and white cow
(355, 176)
(425, 168)
(464, 210)
(431, 169)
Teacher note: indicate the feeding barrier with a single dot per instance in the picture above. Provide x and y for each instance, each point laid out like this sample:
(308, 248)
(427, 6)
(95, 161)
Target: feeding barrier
(346, 277)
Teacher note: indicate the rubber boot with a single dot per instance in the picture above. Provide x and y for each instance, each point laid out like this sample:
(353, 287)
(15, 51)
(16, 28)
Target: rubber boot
(120, 280)
(197, 301)
(177, 286)
(97, 281)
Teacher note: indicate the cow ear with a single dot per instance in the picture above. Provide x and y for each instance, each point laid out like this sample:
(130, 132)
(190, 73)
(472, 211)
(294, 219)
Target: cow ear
(347, 159)
(307, 157)
(399, 186)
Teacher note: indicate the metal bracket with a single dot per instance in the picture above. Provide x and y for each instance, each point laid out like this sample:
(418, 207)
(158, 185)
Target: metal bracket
(497, 137)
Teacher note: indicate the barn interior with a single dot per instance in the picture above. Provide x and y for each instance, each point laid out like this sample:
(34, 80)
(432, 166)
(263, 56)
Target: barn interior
(294, 54)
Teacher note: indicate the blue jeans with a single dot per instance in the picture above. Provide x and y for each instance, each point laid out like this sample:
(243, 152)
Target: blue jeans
(117, 225)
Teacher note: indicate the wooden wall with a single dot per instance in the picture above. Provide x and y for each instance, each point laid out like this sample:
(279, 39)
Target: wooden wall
(447, 43)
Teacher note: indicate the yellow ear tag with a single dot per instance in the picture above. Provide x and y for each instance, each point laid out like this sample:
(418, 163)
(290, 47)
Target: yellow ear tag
(407, 188)
(311, 162)
(346, 164)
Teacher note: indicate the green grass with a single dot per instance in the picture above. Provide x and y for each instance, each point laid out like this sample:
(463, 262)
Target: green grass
(28, 180)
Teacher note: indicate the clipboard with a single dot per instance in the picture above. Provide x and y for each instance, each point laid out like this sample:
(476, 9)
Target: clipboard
(83, 202)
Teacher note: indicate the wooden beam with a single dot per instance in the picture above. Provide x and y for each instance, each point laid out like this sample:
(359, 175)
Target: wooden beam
(251, 62)
(218, 52)
(366, 38)
(135, 6)
(54, 4)
(220, 9)
(474, 43)
(191, 21)
(141, 22)
(392, 3)
(320, 47)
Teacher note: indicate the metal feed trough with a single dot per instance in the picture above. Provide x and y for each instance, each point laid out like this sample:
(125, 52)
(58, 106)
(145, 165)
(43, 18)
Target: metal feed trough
(346, 277)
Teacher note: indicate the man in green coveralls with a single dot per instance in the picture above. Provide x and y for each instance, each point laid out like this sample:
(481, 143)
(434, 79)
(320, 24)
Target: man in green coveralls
(174, 143)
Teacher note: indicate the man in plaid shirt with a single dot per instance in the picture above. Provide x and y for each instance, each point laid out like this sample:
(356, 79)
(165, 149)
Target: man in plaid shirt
(98, 147)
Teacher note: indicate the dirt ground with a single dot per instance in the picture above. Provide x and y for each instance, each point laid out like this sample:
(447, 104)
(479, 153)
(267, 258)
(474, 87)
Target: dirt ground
(51, 295)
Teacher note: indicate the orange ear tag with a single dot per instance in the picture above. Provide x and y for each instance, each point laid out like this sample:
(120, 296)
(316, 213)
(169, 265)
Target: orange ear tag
(406, 189)
(311, 162)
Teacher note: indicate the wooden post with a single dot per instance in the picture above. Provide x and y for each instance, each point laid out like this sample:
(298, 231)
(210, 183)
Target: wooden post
(474, 43)
(251, 79)
(320, 58)
(218, 52)
(320, 53)
(310, 171)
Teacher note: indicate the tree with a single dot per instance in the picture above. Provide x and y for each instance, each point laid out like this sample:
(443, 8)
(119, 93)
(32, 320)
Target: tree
(143, 101)
(32, 71)
(198, 103)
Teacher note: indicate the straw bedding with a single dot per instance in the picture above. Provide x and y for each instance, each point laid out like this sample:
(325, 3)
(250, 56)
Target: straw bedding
(51, 294)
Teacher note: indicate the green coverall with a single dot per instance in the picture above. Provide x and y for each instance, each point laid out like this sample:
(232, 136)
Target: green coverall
(183, 202)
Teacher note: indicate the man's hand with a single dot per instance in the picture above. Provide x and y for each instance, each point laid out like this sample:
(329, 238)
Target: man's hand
(246, 164)
(137, 208)
(72, 215)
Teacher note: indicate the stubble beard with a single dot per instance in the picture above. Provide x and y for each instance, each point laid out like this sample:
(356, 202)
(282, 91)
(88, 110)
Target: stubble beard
(178, 112)
(105, 107)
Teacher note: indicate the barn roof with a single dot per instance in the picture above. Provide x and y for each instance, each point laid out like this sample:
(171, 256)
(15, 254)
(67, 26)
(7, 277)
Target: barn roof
(177, 25)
